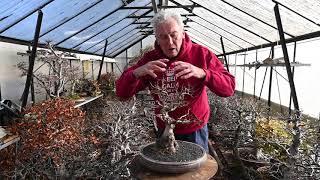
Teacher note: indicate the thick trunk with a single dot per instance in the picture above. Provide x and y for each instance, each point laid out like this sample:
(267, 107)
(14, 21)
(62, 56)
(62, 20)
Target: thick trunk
(167, 141)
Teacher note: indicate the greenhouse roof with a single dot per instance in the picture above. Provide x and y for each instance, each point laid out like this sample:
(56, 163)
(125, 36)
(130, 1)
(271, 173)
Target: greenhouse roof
(85, 25)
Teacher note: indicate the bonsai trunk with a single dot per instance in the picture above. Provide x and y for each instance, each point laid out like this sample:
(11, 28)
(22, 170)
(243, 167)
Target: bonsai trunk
(167, 142)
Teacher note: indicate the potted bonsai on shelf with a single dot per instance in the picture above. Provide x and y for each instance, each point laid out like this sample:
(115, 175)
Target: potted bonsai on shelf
(167, 154)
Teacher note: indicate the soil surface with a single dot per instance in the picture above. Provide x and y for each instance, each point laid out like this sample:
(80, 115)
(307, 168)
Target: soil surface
(185, 153)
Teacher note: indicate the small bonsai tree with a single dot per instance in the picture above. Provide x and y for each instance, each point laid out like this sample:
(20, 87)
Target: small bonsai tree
(107, 81)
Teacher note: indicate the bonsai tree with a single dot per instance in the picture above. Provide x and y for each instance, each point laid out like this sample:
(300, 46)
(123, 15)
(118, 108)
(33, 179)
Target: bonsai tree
(60, 71)
(107, 81)
(169, 96)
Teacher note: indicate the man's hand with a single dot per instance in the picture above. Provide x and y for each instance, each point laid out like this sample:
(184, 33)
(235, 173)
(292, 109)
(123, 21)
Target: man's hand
(151, 68)
(186, 70)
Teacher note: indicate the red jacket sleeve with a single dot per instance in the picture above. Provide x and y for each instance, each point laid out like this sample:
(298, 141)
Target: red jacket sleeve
(128, 85)
(218, 79)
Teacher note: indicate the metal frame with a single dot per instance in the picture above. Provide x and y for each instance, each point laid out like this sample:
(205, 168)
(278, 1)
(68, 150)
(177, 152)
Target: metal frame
(111, 42)
(24, 17)
(290, 40)
(107, 29)
(83, 29)
(102, 60)
(132, 44)
(32, 59)
(69, 19)
(286, 57)
(209, 10)
(225, 57)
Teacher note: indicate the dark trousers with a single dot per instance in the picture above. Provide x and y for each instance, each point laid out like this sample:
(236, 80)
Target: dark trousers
(199, 137)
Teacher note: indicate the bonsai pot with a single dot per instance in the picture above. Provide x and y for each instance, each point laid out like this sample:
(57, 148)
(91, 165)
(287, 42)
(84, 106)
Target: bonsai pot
(189, 156)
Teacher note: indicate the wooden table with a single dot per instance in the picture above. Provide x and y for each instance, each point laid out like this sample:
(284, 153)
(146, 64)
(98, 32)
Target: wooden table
(205, 172)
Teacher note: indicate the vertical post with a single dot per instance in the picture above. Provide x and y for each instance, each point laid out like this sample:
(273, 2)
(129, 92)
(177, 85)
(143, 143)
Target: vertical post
(224, 54)
(112, 69)
(255, 77)
(141, 45)
(244, 71)
(294, 147)
(102, 60)
(294, 60)
(154, 5)
(33, 99)
(92, 69)
(49, 73)
(270, 80)
(83, 74)
(235, 62)
(264, 78)
(32, 83)
(127, 57)
(32, 58)
(286, 57)
(0, 93)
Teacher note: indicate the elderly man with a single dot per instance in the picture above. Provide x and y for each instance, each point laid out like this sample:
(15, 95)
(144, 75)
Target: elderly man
(192, 65)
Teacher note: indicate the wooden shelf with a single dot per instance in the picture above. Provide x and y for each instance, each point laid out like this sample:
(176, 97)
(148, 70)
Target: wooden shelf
(267, 65)
(8, 140)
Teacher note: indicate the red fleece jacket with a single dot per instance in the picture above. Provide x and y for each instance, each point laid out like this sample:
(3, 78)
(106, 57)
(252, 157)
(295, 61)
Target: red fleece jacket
(217, 79)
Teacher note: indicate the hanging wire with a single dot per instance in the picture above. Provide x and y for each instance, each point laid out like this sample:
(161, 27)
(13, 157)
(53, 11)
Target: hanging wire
(244, 71)
(255, 76)
(235, 63)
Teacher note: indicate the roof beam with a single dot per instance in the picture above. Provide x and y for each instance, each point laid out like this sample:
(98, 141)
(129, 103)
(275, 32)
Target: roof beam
(102, 18)
(214, 24)
(105, 29)
(207, 36)
(217, 34)
(70, 18)
(296, 12)
(41, 45)
(189, 7)
(139, 17)
(135, 42)
(233, 23)
(111, 36)
(193, 37)
(144, 27)
(121, 44)
(25, 16)
(137, 7)
(290, 40)
(254, 17)
(141, 23)
(116, 40)
(225, 31)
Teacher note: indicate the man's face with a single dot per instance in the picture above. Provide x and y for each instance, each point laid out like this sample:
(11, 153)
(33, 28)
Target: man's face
(169, 37)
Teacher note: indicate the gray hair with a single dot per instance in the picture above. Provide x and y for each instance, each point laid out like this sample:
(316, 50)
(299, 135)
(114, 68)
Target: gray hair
(164, 15)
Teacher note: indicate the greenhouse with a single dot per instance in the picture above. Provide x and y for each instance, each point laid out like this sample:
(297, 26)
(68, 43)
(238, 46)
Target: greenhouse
(121, 89)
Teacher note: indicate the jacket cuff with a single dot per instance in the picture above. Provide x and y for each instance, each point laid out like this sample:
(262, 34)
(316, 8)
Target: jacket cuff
(207, 77)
